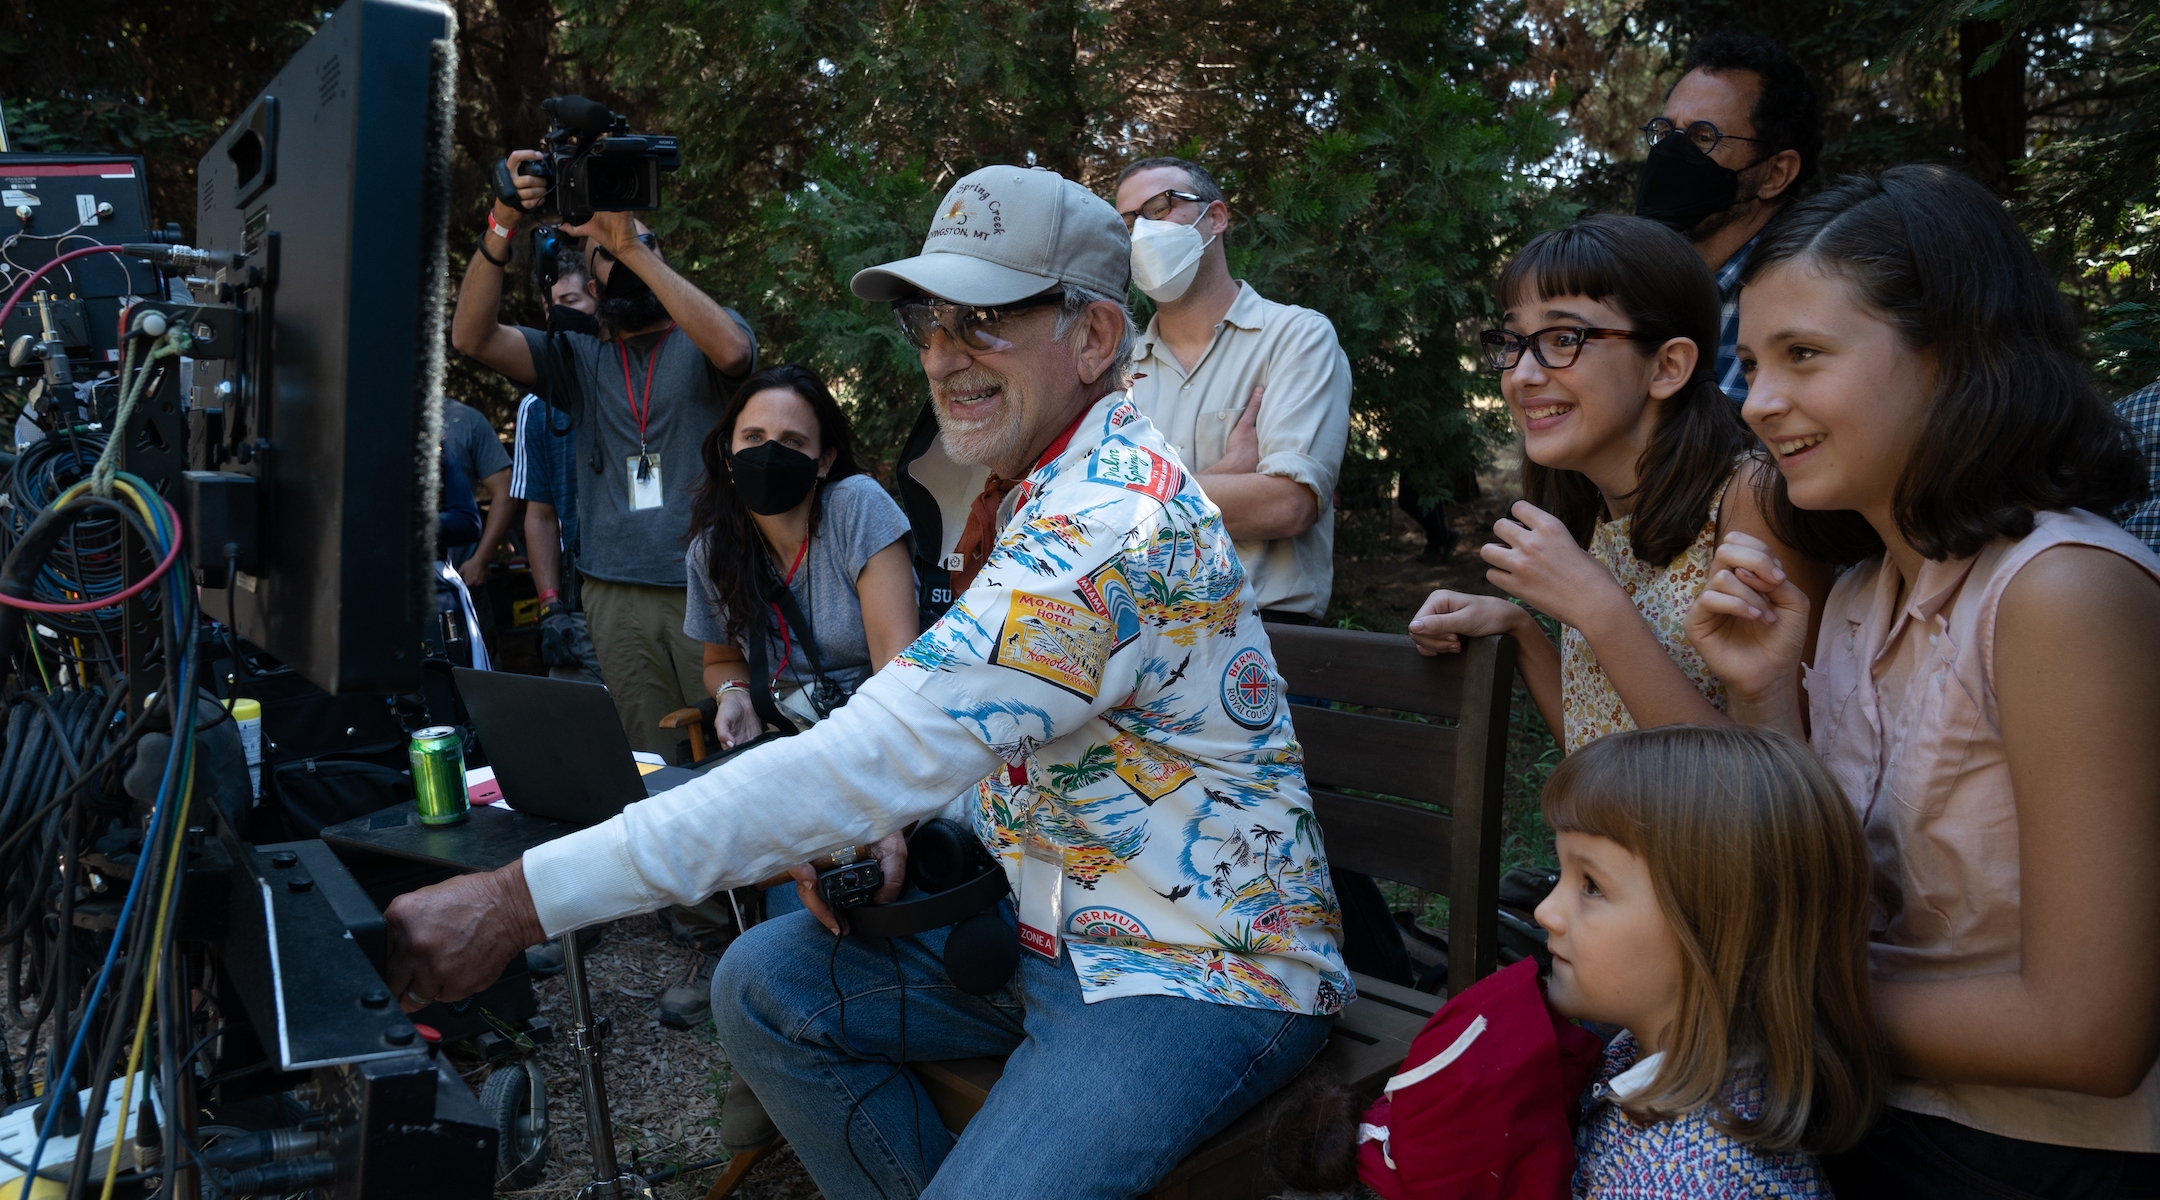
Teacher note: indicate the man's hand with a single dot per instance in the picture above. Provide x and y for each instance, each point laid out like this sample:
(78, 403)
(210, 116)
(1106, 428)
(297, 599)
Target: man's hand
(1538, 562)
(474, 570)
(737, 721)
(531, 190)
(451, 940)
(891, 856)
(1241, 450)
(614, 232)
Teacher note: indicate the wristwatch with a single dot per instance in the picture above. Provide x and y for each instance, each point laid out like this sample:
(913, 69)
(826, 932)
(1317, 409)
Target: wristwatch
(730, 685)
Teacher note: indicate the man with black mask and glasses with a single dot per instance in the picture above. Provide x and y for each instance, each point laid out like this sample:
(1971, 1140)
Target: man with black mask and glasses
(642, 395)
(1739, 134)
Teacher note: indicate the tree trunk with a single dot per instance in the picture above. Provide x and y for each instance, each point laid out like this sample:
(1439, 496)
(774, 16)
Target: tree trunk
(1992, 103)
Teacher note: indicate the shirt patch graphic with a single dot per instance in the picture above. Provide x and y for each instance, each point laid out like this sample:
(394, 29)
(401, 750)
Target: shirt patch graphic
(1121, 414)
(1151, 771)
(1062, 643)
(1106, 923)
(1119, 463)
(1107, 593)
(1248, 690)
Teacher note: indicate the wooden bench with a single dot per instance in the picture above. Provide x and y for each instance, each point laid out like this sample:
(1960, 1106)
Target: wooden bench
(1348, 756)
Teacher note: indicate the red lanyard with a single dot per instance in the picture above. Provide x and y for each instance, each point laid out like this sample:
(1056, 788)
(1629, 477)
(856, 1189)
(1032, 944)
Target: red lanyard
(778, 618)
(641, 414)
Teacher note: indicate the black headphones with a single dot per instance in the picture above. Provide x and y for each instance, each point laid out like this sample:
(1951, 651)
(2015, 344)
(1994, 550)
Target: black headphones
(963, 883)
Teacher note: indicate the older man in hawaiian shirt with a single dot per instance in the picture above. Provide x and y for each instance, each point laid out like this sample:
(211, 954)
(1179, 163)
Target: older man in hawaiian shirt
(1100, 690)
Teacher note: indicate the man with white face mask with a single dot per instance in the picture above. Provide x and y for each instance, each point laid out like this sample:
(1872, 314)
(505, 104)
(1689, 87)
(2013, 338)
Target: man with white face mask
(1253, 395)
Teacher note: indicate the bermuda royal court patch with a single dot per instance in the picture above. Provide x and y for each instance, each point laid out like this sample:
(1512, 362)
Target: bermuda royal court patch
(1248, 690)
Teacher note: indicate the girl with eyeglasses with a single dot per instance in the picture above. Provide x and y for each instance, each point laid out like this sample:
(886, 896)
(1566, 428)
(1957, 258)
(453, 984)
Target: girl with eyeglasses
(1634, 465)
(1985, 685)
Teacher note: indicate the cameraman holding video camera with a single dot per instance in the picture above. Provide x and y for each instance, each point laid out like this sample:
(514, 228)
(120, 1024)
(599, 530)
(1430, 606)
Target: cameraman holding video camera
(642, 395)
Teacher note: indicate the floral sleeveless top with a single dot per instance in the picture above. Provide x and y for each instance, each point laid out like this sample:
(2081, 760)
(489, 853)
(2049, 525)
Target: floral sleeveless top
(1589, 704)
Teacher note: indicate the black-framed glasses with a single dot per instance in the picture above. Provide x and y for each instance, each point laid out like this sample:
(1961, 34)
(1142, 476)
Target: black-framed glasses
(1556, 347)
(1705, 135)
(1159, 206)
(973, 326)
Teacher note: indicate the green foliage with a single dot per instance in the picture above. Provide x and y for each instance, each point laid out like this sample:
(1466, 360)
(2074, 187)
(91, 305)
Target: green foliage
(1376, 186)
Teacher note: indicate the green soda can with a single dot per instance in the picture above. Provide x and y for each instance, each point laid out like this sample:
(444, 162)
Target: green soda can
(438, 776)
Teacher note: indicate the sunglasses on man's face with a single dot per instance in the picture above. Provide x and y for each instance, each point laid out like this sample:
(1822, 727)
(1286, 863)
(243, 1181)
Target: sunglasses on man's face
(973, 327)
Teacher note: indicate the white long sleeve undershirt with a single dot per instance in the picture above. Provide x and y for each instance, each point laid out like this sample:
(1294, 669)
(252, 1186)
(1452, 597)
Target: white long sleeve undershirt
(885, 758)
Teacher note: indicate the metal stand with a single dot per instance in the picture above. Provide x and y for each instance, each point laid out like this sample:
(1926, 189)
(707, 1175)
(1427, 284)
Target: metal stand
(608, 1180)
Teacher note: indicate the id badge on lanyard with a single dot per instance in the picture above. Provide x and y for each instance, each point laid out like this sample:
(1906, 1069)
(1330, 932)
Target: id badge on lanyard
(642, 470)
(1042, 895)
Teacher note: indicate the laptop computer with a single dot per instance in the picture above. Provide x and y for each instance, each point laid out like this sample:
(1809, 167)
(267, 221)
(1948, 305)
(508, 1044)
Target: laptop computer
(557, 746)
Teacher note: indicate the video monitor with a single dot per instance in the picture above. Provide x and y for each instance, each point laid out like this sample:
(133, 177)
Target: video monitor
(333, 183)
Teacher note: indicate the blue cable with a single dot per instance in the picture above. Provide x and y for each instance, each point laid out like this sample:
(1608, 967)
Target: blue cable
(182, 753)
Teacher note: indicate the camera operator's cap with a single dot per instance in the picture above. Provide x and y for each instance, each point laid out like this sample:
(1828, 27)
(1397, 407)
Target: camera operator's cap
(1007, 233)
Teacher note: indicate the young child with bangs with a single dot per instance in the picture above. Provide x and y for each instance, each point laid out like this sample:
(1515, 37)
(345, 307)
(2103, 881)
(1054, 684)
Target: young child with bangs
(1986, 684)
(1712, 903)
(1634, 465)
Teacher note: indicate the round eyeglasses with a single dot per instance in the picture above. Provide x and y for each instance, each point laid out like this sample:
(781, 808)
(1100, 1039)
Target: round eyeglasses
(973, 326)
(1556, 347)
(1705, 135)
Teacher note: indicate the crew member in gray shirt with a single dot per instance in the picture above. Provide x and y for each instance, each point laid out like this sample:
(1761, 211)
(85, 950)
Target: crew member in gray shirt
(642, 397)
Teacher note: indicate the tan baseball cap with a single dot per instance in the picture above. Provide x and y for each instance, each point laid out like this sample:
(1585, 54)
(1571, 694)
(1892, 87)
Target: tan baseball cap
(1007, 233)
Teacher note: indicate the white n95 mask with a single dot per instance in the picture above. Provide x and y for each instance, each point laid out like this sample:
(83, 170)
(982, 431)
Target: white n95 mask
(1166, 257)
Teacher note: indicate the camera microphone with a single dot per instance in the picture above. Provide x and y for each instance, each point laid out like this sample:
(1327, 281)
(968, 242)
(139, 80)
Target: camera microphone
(579, 114)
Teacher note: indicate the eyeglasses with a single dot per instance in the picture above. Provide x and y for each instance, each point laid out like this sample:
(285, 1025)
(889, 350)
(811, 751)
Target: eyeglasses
(1159, 205)
(1556, 348)
(1705, 135)
(974, 327)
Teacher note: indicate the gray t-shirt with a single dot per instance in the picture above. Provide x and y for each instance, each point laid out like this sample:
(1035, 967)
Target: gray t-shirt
(858, 520)
(468, 438)
(583, 376)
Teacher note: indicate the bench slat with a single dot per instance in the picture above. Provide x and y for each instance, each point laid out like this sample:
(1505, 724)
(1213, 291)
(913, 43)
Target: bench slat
(1376, 754)
(1378, 669)
(1386, 840)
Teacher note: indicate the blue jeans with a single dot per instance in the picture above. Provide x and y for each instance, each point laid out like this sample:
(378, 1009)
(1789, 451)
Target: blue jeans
(1097, 1100)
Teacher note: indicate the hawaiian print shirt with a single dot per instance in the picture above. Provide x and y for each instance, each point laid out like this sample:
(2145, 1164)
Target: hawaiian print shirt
(1108, 654)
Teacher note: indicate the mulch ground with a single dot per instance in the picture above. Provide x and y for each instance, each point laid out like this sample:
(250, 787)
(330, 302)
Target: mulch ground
(664, 1085)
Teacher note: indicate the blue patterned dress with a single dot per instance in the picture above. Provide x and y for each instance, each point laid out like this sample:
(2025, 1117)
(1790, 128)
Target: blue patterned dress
(1686, 1158)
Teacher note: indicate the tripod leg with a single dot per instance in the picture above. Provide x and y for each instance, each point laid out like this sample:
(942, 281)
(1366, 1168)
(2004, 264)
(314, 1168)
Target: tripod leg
(585, 1037)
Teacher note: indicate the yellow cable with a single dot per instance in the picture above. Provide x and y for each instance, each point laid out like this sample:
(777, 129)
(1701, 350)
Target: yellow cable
(157, 951)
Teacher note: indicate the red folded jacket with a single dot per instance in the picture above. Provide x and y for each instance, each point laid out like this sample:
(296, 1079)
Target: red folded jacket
(1483, 1107)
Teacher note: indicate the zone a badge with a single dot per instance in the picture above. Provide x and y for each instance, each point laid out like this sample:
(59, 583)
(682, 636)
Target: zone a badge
(1248, 690)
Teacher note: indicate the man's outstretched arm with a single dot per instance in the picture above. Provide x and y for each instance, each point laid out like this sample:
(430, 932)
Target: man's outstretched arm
(476, 328)
(725, 342)
(887, 757)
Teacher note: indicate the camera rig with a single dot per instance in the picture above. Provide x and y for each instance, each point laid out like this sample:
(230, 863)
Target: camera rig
(592, 163)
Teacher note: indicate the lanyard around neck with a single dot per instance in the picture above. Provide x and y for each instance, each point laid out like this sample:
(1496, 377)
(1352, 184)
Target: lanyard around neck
(641, 413)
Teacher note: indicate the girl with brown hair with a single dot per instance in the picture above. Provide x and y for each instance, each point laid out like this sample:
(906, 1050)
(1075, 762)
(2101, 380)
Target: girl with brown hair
(1634, 465)
(1986, 685)
(1713, 903)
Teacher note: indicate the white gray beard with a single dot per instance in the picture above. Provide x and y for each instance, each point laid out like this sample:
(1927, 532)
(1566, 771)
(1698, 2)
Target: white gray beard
(987, 443)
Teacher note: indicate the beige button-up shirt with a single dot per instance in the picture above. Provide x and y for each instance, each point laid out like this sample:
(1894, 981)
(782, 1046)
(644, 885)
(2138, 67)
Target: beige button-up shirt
(1304, 425)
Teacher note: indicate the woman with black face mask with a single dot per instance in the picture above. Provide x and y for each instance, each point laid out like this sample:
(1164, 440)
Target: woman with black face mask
(793, 545)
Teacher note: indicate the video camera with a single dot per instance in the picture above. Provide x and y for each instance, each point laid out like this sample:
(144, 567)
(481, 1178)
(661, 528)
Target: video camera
(593, 163)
